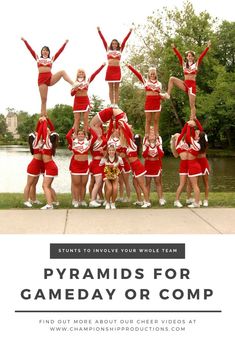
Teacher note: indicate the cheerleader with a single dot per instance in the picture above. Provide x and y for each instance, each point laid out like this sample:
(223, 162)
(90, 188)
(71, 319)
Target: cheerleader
(179, 148)
(190, 69)
(112, 164)
(51, 169)
(45, 77)
(111, 115)
(153, 153)
(138, 170)
(153, 89)
(123, 179)
(79, 167)
(34, 169)
(96, 170)
(205, 169)
(197, 144)
(113, 73)
(81, 100)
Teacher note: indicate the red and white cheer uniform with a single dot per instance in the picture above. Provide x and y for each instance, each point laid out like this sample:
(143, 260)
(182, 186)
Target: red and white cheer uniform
(153, 101)
(44, 77)
(153, 153)
(81, 102)
(113, 73)
(190, 85)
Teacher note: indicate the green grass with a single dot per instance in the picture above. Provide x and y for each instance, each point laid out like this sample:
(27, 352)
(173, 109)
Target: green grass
(216, 199)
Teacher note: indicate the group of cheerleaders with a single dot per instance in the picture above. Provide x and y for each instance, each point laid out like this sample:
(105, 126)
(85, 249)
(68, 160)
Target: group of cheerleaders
(110, 140)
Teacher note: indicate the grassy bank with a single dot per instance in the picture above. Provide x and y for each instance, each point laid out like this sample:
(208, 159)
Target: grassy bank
(216, 199)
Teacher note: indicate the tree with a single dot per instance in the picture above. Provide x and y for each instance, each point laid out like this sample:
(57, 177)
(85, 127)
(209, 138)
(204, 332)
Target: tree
(26, 125)
(187, 30)
(225, 45)
(3, 126)
(62, 117)
(97, 104)
(219, 107)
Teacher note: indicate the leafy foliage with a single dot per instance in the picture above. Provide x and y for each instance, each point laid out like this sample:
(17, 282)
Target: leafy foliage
(215, 81)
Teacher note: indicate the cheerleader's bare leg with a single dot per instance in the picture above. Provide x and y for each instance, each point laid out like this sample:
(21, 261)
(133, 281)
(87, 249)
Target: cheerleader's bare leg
(95, 124)
(196, 190)
(141, 182)
(205, 179)
(76, 122)
(30, 188)
(85, 120)
(158, 184)
(108, 190)
(174, 81)
(148, 184)
(111, 92)
(116, 92)
(84, 180)
(43, 90)
(183, 179)
(53, 195)
(156, 118)
(98, 183)
(76, 181)
(148, 117)
(91, 184)
(32, 192)
(189, 189)
(46, 185)
(114, 190)
(192, 101)
(137, 189)
(121, 185)
(60, 74)
(126, 180)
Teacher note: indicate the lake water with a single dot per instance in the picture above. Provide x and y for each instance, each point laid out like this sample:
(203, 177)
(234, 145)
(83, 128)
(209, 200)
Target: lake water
(14, 161)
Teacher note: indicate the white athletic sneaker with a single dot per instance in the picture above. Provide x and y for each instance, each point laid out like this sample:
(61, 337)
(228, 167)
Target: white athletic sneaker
(36, 202)
(167, 96)
(83, 203)
(194, 205)
(55, 203)
(205, 203)
(189, 201)
(28, 204)
(146, 204)
(100, 201)
(75, 204)
(47, 207)
(138, 203)
(162, 202)
(178, 204)
(113, 206)
(94, 204)
(107, 206)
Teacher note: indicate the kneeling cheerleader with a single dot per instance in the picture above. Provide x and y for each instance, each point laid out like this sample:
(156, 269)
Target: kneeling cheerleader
(113, 165)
